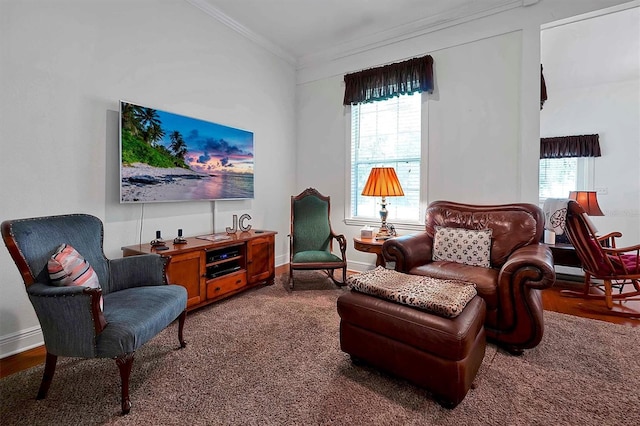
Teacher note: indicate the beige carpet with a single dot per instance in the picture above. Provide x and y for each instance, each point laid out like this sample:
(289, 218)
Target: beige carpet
(272, 357)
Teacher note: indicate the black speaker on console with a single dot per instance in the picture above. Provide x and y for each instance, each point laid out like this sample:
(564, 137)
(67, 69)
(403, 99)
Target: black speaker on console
(179, 239)
(158, 242)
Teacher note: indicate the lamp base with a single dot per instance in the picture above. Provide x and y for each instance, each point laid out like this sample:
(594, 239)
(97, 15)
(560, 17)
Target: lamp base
(383, 233)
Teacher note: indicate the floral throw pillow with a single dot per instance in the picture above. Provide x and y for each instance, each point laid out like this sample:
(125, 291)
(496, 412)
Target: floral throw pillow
(67, 267)
(468, 246)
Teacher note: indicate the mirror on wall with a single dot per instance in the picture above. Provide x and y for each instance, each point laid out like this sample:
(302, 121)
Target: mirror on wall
(592, 72)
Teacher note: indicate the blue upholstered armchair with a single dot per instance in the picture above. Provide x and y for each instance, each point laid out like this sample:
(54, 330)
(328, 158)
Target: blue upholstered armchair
(137, 302)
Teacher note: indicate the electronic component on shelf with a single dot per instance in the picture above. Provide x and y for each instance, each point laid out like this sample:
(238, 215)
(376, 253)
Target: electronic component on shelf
(215, 256)
(221, 272)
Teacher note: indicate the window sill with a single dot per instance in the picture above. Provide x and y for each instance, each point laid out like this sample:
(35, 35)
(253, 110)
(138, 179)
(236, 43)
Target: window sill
(400, 226)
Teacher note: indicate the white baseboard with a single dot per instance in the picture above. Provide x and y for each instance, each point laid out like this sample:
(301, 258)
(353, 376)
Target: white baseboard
(359, 266)
(283, 259)
(351, 265)
(21, 341)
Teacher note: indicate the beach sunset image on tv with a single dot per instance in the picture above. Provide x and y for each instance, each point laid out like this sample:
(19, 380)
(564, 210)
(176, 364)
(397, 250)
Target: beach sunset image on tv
(171, 157)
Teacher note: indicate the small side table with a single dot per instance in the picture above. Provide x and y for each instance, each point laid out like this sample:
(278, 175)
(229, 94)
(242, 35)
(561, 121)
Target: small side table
(370, 245)
(565, 255)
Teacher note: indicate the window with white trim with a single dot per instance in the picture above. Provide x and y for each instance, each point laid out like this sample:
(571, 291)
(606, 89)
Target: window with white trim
(567, 164)
(387, 133)
(559, 176)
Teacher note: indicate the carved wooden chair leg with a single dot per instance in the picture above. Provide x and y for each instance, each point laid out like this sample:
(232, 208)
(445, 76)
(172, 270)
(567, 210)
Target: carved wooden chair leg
(608, 293)
(331, 274)
(587, 284)
(181, 319)
(125, 362)
(290, 278)
(47, 376)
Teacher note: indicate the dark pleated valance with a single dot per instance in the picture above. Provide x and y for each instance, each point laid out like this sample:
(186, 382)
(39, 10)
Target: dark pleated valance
(380, 83)
(543, 89)
(570, 146)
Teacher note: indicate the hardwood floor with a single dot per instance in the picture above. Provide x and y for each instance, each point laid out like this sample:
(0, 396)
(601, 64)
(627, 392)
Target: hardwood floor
(22, 361)
(552, 300)
(623, 312)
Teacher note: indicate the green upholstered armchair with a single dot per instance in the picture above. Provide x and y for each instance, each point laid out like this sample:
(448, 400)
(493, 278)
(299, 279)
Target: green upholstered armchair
(311, 238)
(137, 301)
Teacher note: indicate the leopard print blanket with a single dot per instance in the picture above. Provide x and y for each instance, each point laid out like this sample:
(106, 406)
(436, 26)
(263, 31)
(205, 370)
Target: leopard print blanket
(446, 298)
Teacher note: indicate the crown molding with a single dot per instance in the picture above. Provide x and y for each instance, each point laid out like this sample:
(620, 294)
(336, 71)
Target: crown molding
(244, 31)
(410, 30)
(594, 14)
(413, 29)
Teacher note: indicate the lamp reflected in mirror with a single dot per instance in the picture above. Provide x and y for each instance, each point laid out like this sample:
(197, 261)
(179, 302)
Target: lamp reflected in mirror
(588, 200)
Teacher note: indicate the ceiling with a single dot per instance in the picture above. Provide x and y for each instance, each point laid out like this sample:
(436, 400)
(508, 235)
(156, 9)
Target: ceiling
(298, 30)
(304, 32)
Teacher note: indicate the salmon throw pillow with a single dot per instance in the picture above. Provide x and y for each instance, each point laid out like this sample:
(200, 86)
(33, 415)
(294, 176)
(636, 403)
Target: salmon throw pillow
(67, 267)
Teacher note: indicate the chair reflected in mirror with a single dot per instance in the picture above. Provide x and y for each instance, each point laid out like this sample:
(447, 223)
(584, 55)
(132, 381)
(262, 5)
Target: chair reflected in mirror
(611, 273)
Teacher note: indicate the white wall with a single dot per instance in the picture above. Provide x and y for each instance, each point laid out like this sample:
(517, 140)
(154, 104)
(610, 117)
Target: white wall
(473, 126)
(64, 67)
(483, 118)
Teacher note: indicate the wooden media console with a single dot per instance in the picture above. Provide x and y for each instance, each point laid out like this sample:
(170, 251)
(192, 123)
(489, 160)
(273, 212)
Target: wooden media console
(216, 266)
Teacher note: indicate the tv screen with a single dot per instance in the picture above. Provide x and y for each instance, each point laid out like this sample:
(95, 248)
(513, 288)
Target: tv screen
(169, 157)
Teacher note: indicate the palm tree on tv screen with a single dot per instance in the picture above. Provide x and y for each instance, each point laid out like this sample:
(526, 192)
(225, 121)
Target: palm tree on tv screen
(142, 121)
(178, 145)
(153, 133)
(130, 121)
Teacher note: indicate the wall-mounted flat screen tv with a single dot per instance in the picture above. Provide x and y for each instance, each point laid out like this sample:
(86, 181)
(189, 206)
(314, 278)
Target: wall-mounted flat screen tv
(169, 157)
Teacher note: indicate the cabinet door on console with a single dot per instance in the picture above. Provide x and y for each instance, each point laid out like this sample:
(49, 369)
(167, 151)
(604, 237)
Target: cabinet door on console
(187, 269)
(260, 259)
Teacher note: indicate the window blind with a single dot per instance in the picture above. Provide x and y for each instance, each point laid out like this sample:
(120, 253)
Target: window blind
(387, 134)
(558, 176)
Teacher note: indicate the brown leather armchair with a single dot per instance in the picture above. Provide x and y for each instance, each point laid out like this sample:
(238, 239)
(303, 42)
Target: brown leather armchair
(520, 266)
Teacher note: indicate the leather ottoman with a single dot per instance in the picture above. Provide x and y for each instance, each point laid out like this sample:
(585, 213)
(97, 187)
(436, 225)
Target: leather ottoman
(439, 354)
